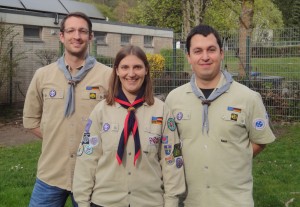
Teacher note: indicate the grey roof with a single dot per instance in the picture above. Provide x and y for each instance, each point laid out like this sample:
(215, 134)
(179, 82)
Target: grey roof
(54, 6)
(11, 3)
(88, 9)
(44, 5)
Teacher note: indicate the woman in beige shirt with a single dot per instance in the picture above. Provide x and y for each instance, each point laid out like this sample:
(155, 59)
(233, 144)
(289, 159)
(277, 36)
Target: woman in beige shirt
(130, 154)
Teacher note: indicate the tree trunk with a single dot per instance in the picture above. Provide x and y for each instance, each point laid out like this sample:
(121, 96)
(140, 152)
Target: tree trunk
(246, 27)
(197, 9)
(193, 13)
(186, 17)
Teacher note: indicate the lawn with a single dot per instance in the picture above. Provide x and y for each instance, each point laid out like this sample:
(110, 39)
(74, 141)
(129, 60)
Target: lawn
(280, 66)
(276, 172)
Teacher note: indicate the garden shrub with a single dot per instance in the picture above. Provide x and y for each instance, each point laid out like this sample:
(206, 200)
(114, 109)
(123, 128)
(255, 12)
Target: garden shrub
(174, 59)
(157, 63)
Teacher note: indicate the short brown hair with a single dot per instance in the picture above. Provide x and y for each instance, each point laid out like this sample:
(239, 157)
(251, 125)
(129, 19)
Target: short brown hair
(115, 83)
(79, 15)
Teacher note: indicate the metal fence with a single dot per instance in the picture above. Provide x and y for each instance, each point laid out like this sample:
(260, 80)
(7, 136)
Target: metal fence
(272, 68)
(271, 64)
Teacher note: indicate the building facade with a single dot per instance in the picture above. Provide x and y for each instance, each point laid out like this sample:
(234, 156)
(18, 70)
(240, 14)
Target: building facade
(36, 28)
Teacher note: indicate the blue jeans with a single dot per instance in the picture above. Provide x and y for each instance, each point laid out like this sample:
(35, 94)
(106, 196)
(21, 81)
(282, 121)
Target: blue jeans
(44, 195)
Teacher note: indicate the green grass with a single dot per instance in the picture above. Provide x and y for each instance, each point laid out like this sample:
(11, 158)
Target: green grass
(18, 173)
(276, 172)
(285, 67)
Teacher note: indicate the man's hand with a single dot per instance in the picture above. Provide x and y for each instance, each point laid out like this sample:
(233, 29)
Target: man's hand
(37, 132)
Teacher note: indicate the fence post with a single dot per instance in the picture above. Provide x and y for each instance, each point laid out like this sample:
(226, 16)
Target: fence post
(174, 62)
(61, 49)
(10, 72)
(248, 51)
(94, 48)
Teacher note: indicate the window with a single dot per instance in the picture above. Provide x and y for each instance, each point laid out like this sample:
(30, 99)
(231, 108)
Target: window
(32, 33)
(100, 38)
(148, 41)
(125, 39)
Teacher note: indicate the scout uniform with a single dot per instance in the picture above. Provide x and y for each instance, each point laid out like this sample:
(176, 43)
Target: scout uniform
(218, 162)
(158, 176)
(44, 107)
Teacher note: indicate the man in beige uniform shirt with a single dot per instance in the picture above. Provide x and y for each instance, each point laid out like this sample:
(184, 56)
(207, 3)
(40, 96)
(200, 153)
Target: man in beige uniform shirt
(222, 125)
(57, 105)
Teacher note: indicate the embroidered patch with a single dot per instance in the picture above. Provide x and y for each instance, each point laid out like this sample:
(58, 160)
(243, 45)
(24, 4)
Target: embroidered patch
(52, 93)
(106, 127)
(156, 120)
(154, 140)
(168, 149)
(164, 140)
(259, 124)
(92, 95)
(177, 150)
(88, 149)
(179, 162)
(94, 141)
(92, 88)
(85, 138)
(88, 125)
(169, 160)
(80, 150)
(171, 124)
(230, 108)
(179, 116)
(234, 117)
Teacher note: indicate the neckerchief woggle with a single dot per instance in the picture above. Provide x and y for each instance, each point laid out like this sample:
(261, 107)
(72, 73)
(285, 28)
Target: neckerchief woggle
(213, 96)
(130, 124)
(73, 80)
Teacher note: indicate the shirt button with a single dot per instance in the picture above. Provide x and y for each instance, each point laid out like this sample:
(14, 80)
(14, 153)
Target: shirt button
(206, 167)
(129, 173)
(72, 155)
(129, 192)
(129, 153)
(207, 186)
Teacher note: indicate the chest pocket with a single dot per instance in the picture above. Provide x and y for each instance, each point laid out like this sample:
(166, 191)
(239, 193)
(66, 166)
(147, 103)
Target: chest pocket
(93, 95)
(53, 94)
(185, 124)
(182, 115)
(110, 136)
(152, 138)
(234, 118)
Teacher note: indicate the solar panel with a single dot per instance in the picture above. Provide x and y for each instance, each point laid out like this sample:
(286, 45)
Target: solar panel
(11, 3)
(54, 6)
(44, 5)
(88, 9)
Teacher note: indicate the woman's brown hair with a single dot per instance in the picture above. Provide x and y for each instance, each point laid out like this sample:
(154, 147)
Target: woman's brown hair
(115, 83)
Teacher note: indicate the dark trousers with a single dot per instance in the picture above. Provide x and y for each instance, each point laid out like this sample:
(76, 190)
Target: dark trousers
(94, 205)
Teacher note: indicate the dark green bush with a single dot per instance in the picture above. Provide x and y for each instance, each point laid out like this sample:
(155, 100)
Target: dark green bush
(174, 59)
(109, 61)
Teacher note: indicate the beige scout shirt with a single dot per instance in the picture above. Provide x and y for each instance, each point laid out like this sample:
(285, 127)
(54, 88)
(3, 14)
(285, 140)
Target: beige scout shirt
(156, 180)
(44, 107)
(218, 165)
